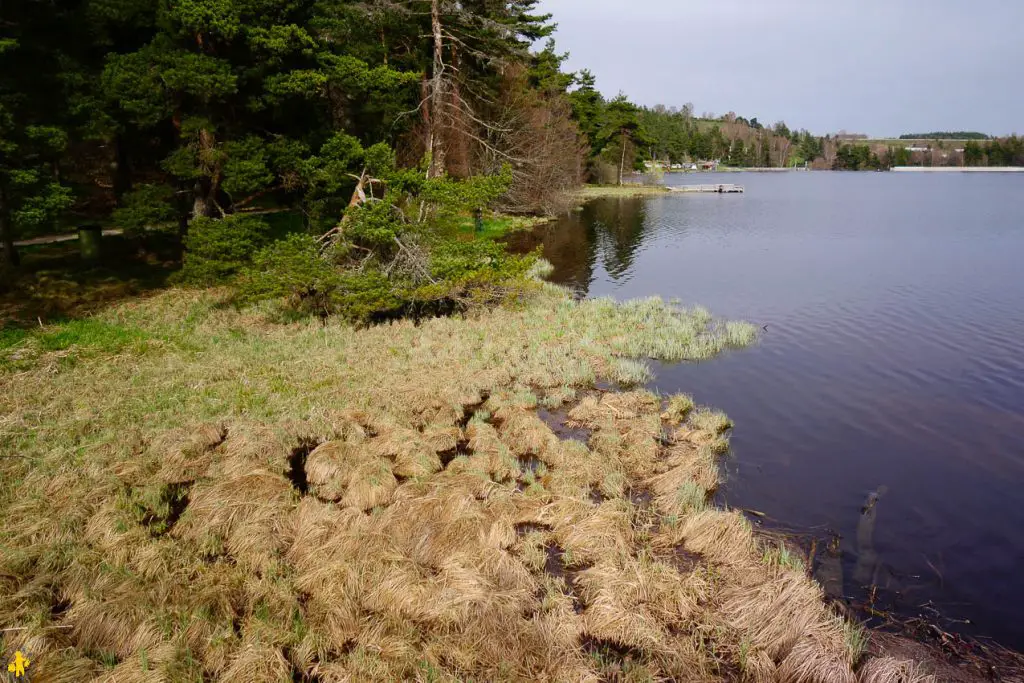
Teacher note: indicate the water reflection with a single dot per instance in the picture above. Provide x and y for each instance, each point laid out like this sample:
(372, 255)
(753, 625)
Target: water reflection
(603, 235)
(866, 572)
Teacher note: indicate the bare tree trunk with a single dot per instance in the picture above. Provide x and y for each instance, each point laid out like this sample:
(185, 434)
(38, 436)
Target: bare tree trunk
(204, 193)
(436, 144)
(622, 161)
(783, 153)
(202, 199)
(6, 232)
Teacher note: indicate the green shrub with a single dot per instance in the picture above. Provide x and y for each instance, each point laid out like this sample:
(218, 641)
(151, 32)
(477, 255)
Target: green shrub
(145, 207)
(458, 261)
(294, 270)
(217, 249)
(367, 296)
(430, 278)
(374, 225)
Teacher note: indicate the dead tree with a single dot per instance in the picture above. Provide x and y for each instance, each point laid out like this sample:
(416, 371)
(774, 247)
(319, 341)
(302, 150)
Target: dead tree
(435, 143)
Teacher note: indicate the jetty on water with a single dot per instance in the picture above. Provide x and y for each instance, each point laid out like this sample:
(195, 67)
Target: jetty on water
(719, 188)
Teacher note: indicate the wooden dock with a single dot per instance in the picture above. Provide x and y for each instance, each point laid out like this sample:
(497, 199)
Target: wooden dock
(720, 188)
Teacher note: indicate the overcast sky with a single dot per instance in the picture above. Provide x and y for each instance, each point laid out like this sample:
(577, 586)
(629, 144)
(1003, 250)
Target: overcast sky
(882, 67)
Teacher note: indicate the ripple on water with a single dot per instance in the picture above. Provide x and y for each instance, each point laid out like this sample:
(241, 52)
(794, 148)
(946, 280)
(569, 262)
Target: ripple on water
(894, 355)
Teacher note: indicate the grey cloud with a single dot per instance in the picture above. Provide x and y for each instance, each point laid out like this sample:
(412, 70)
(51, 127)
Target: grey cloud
(881, 67)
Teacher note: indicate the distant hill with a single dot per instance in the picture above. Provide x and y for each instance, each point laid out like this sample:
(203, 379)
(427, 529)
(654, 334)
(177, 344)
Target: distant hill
(946, 135)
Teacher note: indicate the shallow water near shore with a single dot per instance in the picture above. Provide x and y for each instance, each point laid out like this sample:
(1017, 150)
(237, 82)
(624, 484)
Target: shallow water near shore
(891, 367)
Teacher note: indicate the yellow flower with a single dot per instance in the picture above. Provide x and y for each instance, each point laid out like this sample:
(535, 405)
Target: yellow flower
(18, 664)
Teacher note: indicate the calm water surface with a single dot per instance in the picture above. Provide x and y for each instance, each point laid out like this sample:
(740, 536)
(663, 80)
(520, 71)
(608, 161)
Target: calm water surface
(893, 362)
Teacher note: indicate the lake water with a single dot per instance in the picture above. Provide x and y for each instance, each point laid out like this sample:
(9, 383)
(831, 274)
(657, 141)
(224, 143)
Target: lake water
(893, 362)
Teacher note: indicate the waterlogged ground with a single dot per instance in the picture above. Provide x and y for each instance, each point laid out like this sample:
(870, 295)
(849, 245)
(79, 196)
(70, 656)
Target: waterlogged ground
(197, 493)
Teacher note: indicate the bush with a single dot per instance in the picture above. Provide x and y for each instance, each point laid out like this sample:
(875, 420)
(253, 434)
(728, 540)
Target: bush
(146, 206)
(477, 264)
(463, 274)
(294, 270)
(369, 296)
(217, 249)
(310, 283)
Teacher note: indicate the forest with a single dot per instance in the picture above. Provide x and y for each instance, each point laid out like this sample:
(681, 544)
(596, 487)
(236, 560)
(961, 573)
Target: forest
(330, 152)
(946, 135)
(358, 138)
(365, 133)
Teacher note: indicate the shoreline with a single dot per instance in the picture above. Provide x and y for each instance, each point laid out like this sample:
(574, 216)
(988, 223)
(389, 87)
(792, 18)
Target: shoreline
(957, 169)
(236, 450)
(956, 655)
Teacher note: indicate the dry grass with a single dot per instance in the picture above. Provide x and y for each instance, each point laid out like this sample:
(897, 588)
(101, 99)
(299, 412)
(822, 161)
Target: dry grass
(589, 192)
(891, 670)
(240, 500)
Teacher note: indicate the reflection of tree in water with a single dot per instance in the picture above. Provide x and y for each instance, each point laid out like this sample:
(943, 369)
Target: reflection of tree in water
(568, 244)
(607, 229)
(619, 228)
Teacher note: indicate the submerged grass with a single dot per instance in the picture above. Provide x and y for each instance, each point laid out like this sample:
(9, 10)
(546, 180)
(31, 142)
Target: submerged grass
(252, 501)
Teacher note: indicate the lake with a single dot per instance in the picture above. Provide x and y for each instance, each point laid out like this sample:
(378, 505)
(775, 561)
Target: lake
(892, 364)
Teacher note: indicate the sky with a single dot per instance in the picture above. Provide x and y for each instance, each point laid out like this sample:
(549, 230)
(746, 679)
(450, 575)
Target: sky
(880, 67)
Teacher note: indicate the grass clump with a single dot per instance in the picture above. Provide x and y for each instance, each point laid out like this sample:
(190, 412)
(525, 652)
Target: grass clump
(711, 421)
(662, 331)
(267, 501)
(679, 406)
(691, 497)
(856, 639)
(780, 555)
(629, 372)
(893, 670)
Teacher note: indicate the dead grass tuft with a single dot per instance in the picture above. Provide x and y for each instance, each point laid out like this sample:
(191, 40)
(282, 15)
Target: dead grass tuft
(777, 613)
(255, 502)
(813, 662)
(256, 662)
(352, 475)
(892, 670)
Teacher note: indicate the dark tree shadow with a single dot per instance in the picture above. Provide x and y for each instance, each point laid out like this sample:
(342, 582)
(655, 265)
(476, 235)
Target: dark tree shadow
(54, 282)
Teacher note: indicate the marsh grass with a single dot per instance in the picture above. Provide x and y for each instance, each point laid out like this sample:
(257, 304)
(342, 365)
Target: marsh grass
(780, 555)
(892, 670)
(629, 372)
(208, 494)
(589, 192)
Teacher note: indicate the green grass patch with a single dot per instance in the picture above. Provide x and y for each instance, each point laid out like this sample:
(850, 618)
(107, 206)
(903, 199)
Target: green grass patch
(21, 349)
(781, 556)
(498, 225)
(9, 338)
(91, 334)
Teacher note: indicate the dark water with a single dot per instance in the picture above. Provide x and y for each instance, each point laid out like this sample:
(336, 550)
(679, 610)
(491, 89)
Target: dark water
(893, 361)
